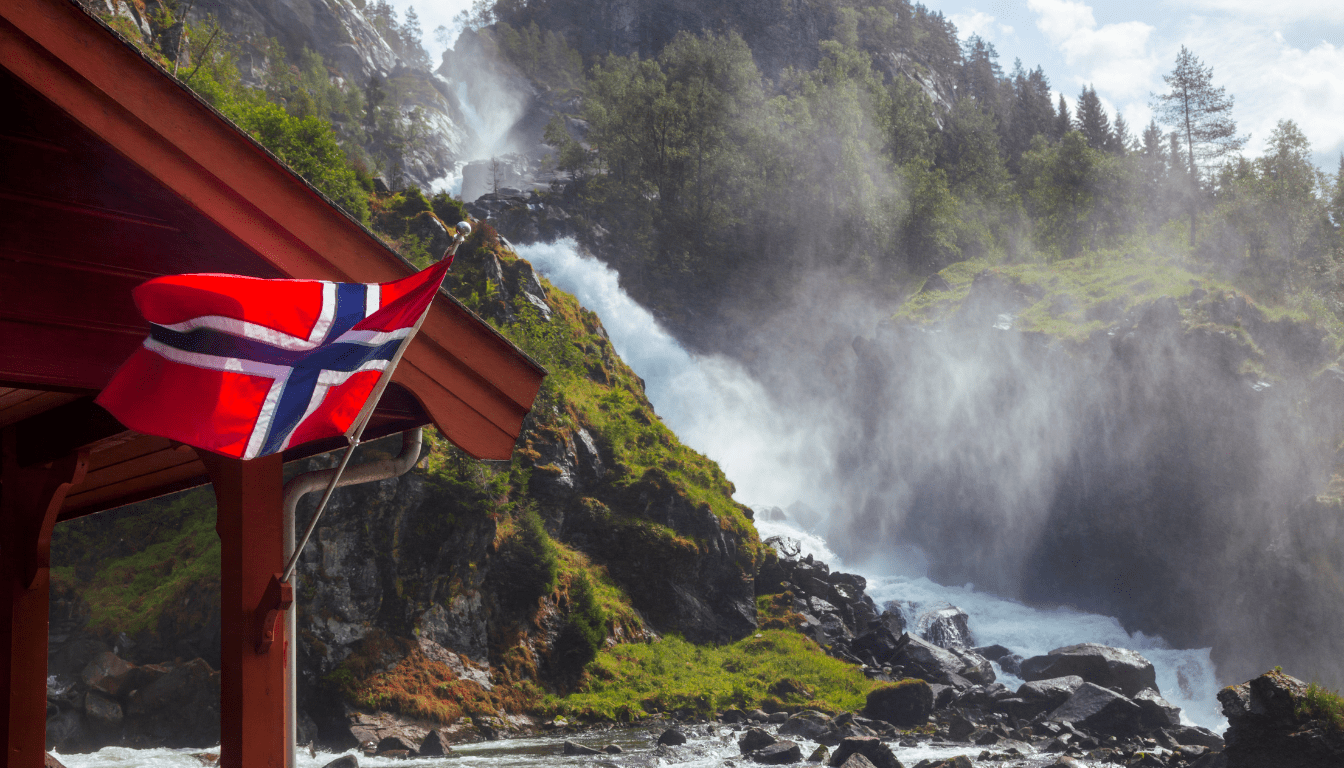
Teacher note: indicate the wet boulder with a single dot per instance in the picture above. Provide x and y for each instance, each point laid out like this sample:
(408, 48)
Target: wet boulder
(672, 737)
(1270, 724)
(1009, 661)
(877, 645)
(574, 748)
(924, 660)
(754, 739)
(434, 745)
(808, 724)
(906, 704)
(946, 627)
(877, 753)
(1049, 694)
(108, 673)
(1118, 669)
(1155, 711)
(778, 753)
(1099, 710)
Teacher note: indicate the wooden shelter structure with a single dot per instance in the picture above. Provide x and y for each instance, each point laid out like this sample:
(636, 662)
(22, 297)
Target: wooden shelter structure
(111, 173)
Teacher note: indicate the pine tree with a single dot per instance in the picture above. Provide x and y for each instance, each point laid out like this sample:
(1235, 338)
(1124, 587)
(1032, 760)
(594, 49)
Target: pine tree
(1063, 122)
(1202, 117)
(1122, 142)
(1092, 120)
(980, 76)
(1032, 113)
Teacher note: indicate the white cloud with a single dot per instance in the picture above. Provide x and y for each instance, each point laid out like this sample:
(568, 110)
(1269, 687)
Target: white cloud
(975, 22)
(1115, 58)
(1315, 11)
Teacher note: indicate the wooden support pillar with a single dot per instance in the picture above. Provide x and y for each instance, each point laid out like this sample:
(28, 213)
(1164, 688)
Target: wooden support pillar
(249, 495)
(30, 498)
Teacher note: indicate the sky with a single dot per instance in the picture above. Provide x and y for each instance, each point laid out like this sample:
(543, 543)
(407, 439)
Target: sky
(1278, 59)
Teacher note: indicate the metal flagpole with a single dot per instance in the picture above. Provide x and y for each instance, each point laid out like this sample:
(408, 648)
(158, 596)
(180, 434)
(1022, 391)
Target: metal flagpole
(353, 435)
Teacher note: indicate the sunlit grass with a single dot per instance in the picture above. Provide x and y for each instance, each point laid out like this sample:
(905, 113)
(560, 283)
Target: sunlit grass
(775, 669)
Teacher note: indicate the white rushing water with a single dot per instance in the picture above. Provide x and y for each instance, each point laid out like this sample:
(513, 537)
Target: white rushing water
(715, 407)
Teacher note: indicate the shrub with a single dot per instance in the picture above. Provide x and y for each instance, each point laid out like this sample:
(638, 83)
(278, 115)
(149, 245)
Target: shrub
(582, 635)
(526, 566)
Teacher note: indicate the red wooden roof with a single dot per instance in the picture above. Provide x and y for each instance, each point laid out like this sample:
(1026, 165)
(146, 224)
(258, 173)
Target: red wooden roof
(112, 172)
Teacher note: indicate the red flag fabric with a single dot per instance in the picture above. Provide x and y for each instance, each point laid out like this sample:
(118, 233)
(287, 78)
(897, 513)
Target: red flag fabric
(247, 367)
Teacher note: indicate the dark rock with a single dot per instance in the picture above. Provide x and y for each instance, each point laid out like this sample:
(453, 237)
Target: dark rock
(102, 710)
(1195, 735)
(879, 754)
(844, 730)
(612, 749)
(178, 709)
(434, 745)
(879, 643)
(672, 737)
(344, 761)
(107, 673)
(778, 753)
(946, 628)
(959, 728)
(930, 663)
(573, 748)
(754, 739)
(819, 754)
(394, 744)
(50, 762)
(1049, 693)
(1118, 669)
(992, 652)
(1156, 712)
(808, 724)
(1266, 730)
(943, 695)
(857, 760)
(64, 728)
(732, 716)
(777, 718)
(975, 667)
(906, 704)
(1099, 710)
(758, 716)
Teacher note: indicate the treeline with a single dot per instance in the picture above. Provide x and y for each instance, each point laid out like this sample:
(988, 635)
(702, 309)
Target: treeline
(898, 152)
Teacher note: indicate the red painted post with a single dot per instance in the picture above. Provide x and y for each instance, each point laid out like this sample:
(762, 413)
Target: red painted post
(23, 669)
(249, 495)
(29, 500)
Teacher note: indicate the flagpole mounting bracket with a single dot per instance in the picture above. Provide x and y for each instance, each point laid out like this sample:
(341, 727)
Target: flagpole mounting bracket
(279, 597)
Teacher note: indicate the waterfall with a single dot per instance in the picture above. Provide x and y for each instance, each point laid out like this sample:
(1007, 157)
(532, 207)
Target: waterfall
(717, 408)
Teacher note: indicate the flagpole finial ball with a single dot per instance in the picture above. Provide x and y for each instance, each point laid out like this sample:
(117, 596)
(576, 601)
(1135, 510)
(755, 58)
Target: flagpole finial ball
(463, 229)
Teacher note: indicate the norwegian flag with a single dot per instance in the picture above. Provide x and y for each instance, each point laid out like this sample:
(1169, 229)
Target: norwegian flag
(247, 367)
